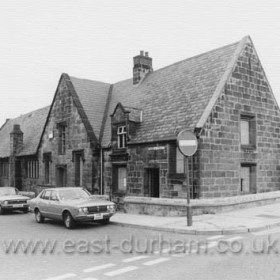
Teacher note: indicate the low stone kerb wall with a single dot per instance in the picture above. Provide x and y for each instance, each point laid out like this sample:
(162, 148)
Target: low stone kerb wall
(177, 207)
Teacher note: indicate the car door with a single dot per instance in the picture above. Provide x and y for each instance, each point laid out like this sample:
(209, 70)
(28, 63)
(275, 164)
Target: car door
(43, 203)
(54, 206)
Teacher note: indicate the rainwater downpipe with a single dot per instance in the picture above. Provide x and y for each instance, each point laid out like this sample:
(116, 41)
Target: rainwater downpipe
(101, 171)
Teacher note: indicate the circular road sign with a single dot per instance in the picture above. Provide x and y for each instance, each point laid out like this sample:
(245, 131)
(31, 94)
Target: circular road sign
(187, 142)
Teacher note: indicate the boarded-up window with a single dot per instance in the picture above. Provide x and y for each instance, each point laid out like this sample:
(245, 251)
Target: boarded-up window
(122, 179)
(248, 178)
(248, 130)
(245, 139)
(179, 162)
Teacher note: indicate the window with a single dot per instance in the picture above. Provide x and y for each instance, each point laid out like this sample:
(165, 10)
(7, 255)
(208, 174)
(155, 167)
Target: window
(32, 169)
(78, 157)
(47, 162)
(61, 138)
(54, 196)
(121, 137)
(4, 168)
(180, 165)
(46, 195)
(248, 131)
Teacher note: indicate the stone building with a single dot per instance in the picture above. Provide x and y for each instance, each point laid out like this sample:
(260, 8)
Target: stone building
(120, 139)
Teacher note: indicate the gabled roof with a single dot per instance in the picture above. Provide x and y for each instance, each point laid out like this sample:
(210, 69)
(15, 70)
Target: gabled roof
(31, 124)
(167, 100)
(177, 96)
(93, 96)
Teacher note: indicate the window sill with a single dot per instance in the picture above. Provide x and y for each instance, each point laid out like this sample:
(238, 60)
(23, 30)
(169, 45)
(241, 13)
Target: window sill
(178, 176)
(248, 147)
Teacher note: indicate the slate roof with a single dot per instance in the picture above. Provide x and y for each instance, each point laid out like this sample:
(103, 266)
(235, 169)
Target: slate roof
(174, 97)
(168, 100)
(31, 124)
(93, 96)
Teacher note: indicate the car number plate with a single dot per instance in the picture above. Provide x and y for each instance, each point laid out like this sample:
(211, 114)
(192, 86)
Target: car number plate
(98, 216)
(17, 205)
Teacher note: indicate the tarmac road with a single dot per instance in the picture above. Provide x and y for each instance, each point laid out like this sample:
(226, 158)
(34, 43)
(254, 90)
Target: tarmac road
(92, 251)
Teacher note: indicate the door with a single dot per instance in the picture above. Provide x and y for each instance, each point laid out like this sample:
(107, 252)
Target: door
(152, 182)
(245, 179)
(54, 206)
(43, 203)
(61, 176)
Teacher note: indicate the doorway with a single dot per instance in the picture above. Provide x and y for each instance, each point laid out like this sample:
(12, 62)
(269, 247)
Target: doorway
(61, 176)
(151, 188)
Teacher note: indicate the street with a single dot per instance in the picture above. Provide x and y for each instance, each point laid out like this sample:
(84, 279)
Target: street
(92, 251)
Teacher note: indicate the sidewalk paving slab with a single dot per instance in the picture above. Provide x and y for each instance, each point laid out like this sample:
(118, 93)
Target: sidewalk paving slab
(235, 222)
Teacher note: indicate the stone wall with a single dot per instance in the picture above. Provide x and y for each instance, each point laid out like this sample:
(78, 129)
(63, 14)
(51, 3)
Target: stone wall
(64, 110)
(220, 152)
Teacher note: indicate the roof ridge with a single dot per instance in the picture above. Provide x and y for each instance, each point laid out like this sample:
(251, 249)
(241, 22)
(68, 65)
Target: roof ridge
(186, 59)
(89, 80)
(25, 114)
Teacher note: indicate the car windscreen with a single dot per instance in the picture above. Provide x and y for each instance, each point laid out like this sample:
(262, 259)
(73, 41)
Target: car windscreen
(73, 194)
(7, 191)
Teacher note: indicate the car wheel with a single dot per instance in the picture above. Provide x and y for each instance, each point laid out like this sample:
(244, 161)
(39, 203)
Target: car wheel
(25, 211)
(1, 211)
(38, 216)
(105, 221)
(68, 220)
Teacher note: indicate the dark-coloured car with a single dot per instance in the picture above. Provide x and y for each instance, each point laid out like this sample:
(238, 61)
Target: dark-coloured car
(71, 205)
(11, 199)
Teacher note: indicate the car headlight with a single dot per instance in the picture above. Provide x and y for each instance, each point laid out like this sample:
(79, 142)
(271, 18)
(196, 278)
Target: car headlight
(111, 207)
(5, 202)
(83, 210)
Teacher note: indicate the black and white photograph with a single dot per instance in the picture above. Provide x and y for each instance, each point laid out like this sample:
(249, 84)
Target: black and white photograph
(139, 140)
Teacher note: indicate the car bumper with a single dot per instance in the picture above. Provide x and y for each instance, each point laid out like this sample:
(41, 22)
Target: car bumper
(15, 207)
(94, 217)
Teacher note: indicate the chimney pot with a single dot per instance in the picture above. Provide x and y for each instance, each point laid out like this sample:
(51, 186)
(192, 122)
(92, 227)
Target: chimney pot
(147, 54)
(142, 53)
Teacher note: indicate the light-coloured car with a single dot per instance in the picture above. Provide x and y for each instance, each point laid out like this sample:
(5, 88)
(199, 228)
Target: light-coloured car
(71, 205)
(12, 199)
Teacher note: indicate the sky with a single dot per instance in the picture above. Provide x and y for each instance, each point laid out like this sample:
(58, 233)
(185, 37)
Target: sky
(96, 40)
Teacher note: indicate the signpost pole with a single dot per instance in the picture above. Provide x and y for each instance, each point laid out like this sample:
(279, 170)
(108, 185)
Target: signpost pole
(189, 209)
(187, 144)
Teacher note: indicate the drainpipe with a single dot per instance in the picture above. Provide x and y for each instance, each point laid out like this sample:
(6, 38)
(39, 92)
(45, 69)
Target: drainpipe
(101, 171)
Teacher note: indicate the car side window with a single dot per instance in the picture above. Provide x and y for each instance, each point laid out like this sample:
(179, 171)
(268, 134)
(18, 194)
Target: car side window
(54, 196)
(46, 195)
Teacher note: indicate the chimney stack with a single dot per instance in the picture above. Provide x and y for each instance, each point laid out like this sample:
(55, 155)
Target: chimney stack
(16, 140)
(142, 65)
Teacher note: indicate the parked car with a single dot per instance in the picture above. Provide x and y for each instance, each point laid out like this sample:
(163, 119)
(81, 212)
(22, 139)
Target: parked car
(71, 205)
(12, 199)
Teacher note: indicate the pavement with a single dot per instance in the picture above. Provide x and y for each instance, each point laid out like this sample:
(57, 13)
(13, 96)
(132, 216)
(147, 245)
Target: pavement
(235, 222)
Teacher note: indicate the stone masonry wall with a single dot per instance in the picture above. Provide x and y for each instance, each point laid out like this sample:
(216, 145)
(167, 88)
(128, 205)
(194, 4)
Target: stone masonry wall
(220, 151)
(64, 110)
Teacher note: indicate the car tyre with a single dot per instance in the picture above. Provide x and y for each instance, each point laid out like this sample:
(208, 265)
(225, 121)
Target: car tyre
(68, 220)
(2, 211)
(38, 216)
(25, 211)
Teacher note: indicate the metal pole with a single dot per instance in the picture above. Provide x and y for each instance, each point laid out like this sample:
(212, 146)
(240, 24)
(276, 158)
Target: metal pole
(189, 209)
